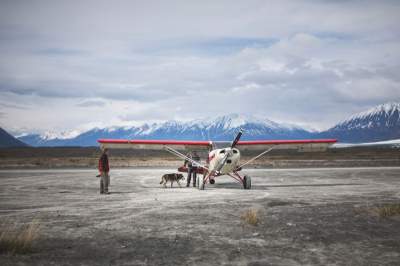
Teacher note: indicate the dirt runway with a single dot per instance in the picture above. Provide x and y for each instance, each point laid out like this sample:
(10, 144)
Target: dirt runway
(306, 217)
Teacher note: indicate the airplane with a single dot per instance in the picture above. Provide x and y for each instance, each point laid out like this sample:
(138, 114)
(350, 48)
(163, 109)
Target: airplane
(223, 156)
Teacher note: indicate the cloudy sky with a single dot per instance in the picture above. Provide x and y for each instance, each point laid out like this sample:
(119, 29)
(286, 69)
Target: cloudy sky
(68, 65)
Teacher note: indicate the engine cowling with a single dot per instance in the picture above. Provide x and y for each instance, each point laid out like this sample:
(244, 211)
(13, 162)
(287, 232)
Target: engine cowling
(224, 160)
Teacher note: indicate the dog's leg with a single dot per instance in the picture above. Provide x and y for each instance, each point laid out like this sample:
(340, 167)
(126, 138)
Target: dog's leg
(172, 182)
(179, 183)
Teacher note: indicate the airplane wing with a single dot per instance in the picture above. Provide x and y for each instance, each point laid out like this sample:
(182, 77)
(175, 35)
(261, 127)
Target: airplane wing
(306, 145)
(154, 144)
(207, 145)
(172, 146)
(302, 145)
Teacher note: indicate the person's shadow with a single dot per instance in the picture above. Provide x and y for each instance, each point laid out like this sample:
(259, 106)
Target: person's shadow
(120, 192)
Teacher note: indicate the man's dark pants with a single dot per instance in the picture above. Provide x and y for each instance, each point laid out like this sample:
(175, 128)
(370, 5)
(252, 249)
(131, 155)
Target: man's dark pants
(190, 171)
(104, 182)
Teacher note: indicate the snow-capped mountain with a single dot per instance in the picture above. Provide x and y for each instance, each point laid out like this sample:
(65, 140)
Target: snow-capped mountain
(376, 124)
(220, 128)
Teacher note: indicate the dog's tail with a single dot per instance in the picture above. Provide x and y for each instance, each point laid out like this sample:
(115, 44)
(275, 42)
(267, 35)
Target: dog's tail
(162, 180)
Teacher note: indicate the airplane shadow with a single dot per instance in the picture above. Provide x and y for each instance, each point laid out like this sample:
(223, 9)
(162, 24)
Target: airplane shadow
(164, 187)
(318, 185)
(263, 187)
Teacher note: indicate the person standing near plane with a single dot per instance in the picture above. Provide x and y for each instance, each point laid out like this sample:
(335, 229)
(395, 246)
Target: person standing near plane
(104, 169)
(192, 168)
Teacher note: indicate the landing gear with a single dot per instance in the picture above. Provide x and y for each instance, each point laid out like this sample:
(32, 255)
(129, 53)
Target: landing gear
(201, 183)
(246, 182)
(197, 181)
(212, 181)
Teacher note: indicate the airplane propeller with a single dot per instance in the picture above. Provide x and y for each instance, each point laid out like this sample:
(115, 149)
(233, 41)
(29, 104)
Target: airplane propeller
(234, 143)
(236, 140)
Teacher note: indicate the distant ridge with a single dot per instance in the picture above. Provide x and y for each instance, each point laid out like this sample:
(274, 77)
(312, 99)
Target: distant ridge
(6, 140)
(376, 124)
(220, 128)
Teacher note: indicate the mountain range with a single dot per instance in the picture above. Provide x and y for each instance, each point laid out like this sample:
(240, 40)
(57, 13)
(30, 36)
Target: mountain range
(376, 124)
(379, 123)
(220, 128)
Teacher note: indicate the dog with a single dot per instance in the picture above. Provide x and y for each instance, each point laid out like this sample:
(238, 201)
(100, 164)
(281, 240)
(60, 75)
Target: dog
(171, 178)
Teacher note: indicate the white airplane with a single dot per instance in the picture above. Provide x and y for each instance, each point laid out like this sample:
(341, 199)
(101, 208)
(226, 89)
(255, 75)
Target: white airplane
(221, 161)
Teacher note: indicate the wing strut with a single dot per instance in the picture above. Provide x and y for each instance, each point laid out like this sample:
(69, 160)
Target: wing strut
(184, 157)
(255, 158)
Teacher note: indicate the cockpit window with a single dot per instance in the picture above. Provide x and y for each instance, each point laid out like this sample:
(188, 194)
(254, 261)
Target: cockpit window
(222, 151)
(235, 151)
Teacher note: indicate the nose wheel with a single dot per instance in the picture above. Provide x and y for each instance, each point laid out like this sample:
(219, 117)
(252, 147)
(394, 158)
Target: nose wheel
(247, 182)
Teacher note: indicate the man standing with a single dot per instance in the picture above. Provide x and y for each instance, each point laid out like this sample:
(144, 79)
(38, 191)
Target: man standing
(104, 168)
(192, 168)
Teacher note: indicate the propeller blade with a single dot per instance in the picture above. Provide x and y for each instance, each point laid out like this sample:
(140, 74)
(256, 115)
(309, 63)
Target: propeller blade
(222, 163)
(237, 138)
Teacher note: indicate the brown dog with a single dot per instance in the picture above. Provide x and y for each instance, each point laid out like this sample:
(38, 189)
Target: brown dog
(171, 178)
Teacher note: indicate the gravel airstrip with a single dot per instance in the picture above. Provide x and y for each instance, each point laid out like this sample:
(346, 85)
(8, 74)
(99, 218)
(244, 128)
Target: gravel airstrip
(324, 216)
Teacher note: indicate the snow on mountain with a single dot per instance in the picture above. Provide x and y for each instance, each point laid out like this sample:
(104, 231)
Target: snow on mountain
(376, 124)
(49, 135)
(219, 128)
(382, 115)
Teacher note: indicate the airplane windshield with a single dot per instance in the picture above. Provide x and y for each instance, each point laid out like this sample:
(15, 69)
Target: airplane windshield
(221, 144)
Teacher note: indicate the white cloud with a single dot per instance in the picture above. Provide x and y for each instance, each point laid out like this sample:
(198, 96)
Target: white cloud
(308, 62)
(247, 88)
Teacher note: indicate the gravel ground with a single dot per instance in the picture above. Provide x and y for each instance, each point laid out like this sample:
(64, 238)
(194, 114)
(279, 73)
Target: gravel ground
(306, 217)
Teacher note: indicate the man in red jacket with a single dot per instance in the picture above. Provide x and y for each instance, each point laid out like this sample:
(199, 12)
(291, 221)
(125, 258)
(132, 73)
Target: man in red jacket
(104, 168)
